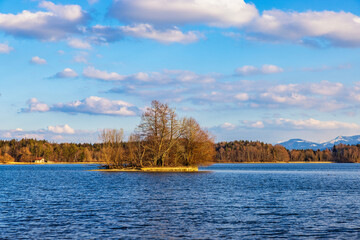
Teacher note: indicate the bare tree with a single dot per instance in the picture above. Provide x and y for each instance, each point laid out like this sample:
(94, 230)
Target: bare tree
(198, 145)
(161, 130)
(112, 152)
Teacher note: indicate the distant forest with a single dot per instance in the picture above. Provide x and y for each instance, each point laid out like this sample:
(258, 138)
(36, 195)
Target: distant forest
(245, 151)
(27, 150)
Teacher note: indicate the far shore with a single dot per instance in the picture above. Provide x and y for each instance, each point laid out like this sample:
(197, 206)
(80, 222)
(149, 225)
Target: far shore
(46, 163)
(150, 169)
(269, 162)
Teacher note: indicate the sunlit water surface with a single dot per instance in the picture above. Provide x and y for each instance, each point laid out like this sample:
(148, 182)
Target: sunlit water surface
(245, 201)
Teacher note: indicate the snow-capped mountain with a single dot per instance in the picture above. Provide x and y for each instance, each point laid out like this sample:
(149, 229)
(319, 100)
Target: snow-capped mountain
(303, 144)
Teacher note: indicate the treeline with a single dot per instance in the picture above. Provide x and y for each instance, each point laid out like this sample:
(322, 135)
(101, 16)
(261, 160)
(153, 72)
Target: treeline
(246, 151)
(27, 150)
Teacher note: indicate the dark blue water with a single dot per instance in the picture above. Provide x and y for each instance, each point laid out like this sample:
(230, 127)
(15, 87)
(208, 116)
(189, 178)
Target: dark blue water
(248, 201)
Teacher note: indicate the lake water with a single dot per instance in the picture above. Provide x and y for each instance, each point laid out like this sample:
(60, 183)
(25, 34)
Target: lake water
(244, 201)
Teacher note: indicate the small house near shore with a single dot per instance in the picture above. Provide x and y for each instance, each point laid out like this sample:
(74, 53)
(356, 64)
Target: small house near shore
(39, 160)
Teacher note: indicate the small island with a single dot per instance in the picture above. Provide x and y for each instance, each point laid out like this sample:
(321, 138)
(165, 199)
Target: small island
(161, 143)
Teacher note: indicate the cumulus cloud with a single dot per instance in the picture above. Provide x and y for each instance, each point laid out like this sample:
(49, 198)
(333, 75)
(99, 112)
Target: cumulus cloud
(59, 133)
(91, 72)
(92, 105)
(66, 73)
(324, 95)
(38, 60)
(104, 34)
(78, 43)
(289, 98)
(258, 124)
(165, 36)
(228, 126)
(312, 28)
(61, 129)
(223, 13)
(245, 124)
(5, 48)
(211, 89)
(309, 28)
(292, 124)
(315, 124)
(242, 96)
(56, 23)
(167, 76)
(97, 106)
(265, 69)
(35, 106)
(326, 88)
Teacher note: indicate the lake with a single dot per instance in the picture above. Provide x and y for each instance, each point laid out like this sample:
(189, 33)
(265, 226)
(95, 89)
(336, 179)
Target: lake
(226, 201)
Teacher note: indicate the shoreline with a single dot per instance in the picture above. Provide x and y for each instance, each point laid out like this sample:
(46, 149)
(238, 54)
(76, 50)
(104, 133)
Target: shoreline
(47, 163)
(158, 169)
(272, 162)
(150, 169)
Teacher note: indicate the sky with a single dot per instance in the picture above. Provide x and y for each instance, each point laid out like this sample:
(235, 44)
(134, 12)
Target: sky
(245, 70)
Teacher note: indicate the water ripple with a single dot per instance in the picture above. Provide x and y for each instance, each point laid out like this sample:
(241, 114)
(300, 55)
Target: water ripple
(250, 201)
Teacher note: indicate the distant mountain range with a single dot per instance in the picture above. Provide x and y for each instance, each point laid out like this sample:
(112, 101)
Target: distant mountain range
(302, 144)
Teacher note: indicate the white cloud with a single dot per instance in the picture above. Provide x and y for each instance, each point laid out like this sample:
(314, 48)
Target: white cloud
(244, 124)
(184, 76)
(5, 48)
(165, 36)
(225, 13)
(36, 106)
(258, 124)
(285, 88)
(105, 34)
(315, 124)
(242, 97)
(253, 124)
(228, 126)
(66, 73)
(78, 43)
(38, 60)
(56, 23)
(62, 133)
(265, 69)
(291, 98)
(61, 129)
(92, 105)
(96, 106)
(91, 72)
(326, 88)
(315, 28)
(68, 12)
(270, 69)
(247, 70)
(167, 76)
(337, 28)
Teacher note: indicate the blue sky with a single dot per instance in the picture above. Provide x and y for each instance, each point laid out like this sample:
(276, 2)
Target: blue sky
(260, 70)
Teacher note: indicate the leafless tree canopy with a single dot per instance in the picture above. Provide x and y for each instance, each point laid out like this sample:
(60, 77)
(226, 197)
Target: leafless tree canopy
(161, 139)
